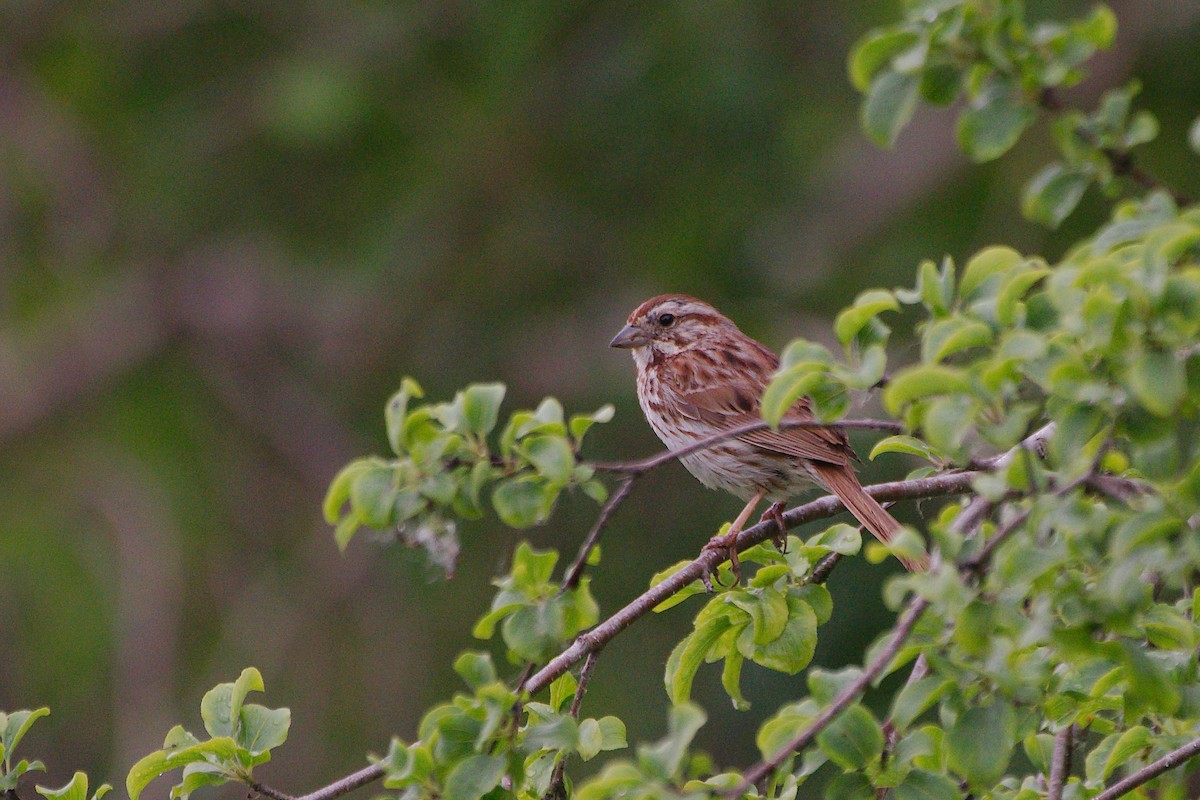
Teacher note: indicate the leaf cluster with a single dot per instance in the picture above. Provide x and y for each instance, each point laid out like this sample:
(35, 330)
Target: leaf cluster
(241, 736)
(445, 463)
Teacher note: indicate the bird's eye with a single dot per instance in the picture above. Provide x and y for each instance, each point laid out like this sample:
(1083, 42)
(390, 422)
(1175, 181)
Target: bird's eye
(666, 320)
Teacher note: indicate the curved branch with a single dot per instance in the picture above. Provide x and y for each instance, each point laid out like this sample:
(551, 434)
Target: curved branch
(821, 508)
(844, 700)
(1151, 771)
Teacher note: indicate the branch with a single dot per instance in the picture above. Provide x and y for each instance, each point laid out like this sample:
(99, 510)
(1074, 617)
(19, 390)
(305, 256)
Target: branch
(591, 641)
(1151, 771)
(347, 784)
(575, 571)
(821, 508)
(1060, 762)
(1120, 161)
(267, 791)
(844, 700)
(647, 464)
(555, 789)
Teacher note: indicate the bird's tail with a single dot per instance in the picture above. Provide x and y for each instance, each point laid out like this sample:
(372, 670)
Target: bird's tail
(841, 481)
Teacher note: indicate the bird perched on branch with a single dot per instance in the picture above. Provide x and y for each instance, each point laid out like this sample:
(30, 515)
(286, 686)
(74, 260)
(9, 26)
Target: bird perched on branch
(699, 375)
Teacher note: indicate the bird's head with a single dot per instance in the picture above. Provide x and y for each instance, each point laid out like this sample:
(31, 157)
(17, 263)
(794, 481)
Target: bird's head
(669, 324)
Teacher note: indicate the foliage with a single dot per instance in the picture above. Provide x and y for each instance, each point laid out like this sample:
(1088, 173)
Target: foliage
(444, 465)
(1006, 69)
(1053, 643)
(241, 736)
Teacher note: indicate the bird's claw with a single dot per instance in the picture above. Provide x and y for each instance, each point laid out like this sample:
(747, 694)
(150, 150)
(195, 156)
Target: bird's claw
(775, 513)
(727, 545)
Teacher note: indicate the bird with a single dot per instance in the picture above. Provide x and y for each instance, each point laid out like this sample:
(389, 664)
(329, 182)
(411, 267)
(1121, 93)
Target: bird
(699, 375)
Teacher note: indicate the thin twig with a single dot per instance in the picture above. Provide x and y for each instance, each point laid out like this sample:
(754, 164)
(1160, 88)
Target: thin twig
(646, 464)
(575, 571)
(267, 791)
(1151, 771)
(844, 699)
(1060, 762)
(555, 788)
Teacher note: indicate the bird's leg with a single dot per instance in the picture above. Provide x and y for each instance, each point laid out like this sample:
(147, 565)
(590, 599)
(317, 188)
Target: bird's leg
(728, 541)
(775, 512)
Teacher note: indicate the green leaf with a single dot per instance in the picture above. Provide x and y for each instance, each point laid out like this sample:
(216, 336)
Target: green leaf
(473, 777)
(874, 51)
(915, 698)
(373, 495)
(195, 776)
(1127, 743)
(558, 733)
(984, 264)
(221, 706)
(951, 335)
(922, 381)
(1099, 29)
(908, 445)
(850, 786)
(339, 487)
(263, 729)
(1053, 193)
(889, 105)
(595, 736)
(853, 740)
(993, 123)
(664, 758)
(396, 411)
(731, 680)
(839, 538)
(1158, 382)
(581, 423)
(980, 743)
(523, 502)
(922, 785)
(1014, 289)
(144, 771)
(14, 726)
(788, 386)
(481, 407)
(794, 648)
(688, 655)
(75, 789)
(869, 305)
(475, 669)
(552, 457)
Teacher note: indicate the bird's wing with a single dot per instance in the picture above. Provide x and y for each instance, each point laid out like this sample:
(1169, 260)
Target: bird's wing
(726, 407)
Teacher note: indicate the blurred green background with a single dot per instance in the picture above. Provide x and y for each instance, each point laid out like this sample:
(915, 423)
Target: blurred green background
(228, 229)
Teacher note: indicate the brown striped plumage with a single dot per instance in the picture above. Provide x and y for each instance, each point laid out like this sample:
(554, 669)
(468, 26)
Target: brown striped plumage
(697, 375)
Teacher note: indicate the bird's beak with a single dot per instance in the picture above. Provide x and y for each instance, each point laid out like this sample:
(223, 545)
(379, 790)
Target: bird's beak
(629, 338)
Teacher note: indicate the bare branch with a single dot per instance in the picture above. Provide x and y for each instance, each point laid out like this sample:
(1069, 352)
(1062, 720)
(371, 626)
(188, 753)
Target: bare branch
(844, 700)
(556, 788)
(1060, 762)
(575, 571)
(347, 784)
(267, 791)
(1151, 771)
(646, 464)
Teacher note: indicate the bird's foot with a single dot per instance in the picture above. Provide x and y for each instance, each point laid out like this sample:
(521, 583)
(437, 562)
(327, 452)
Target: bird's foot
(775, 512)
(727, 545)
